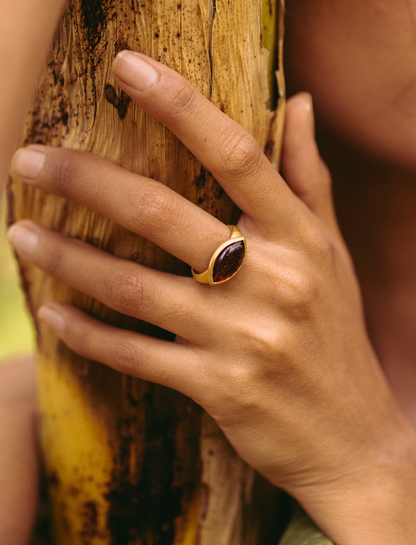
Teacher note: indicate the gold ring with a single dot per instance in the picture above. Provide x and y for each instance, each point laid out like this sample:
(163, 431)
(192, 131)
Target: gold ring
(226, 261)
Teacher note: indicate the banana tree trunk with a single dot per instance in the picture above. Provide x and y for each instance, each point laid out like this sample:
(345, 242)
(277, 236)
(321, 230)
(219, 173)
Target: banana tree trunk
(129, 462)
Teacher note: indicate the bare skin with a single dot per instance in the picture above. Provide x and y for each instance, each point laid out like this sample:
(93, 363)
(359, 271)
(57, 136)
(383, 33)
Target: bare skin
(18, 463)
(358, 60)
(298, 375)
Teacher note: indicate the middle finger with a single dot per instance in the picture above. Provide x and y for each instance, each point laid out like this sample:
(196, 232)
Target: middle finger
(225, 148)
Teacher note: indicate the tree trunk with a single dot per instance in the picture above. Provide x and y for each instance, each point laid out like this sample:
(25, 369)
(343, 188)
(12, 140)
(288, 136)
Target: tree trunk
(126, 461)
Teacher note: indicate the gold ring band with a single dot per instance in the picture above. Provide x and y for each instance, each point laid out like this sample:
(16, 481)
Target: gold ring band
(226, 261)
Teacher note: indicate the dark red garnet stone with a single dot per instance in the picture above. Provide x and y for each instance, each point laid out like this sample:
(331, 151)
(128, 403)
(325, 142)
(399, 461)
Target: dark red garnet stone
(228, 261)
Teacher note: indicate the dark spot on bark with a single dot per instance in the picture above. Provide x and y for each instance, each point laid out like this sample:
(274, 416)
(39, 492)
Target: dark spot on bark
(111, 95)
(89, 521)
(179, 6)
(121, 45)
(165, 49)
(74, 491)
(95, 14)
(42, 531)
(156, 35)
(178, 35)
(201, 179)
(121, 103)
(204, 502)
(218, 191)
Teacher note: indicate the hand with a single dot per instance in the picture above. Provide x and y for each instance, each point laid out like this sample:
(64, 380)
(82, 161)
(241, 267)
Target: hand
(278, 355)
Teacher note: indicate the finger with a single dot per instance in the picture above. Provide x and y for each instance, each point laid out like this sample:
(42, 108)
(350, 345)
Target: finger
(168, 301)
(228, 151)
(137, 203)
(302, 166)
(131, 353)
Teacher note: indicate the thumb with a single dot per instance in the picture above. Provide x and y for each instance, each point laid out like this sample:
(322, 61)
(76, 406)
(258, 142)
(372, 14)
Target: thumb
(302, 167)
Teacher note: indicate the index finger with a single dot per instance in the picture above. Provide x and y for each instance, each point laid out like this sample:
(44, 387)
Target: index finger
(227, 150)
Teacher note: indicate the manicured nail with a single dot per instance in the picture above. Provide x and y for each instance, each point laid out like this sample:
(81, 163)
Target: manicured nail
(309, 109)
(54, 319)
(27, 163)
(134, 70)
(23, 239)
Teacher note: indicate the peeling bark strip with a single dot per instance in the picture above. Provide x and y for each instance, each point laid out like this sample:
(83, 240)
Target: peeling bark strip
(131, 462)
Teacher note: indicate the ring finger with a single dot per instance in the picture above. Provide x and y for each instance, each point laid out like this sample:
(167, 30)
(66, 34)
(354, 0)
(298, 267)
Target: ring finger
(168, 301)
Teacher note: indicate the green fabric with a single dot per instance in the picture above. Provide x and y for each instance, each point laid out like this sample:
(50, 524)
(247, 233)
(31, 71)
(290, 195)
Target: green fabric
(302, 531)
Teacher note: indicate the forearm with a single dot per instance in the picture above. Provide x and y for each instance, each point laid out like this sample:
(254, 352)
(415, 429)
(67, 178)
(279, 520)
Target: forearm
(26, 32)
(18, 465)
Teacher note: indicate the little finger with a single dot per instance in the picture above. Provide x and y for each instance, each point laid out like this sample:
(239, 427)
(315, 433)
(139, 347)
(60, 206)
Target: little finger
(176, 366)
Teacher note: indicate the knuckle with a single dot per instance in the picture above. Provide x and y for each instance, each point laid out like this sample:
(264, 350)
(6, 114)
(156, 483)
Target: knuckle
(298, 294)
(129, 292)
(240, 154)
(54, 263)
(239, 380)
(320, 246)
(155, 210)
(182, 100)
(63, 172)
(127, 356)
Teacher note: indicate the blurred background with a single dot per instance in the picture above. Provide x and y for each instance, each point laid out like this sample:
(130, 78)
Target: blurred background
(16, 332)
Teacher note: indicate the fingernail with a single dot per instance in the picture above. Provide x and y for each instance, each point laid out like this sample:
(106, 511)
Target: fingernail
(23, 239)
(309, 109)
(51, 317)
(27, 163)
(134, 70)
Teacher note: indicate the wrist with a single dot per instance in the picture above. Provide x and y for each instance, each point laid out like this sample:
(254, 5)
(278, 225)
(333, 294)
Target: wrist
(375, 507)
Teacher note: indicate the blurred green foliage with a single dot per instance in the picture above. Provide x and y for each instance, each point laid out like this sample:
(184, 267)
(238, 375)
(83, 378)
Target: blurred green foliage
(16, 331)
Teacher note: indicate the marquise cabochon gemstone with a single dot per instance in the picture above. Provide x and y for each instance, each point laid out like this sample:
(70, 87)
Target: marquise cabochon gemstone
(228, 261)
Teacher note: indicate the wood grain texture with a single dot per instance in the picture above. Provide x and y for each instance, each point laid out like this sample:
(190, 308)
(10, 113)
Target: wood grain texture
(128, 461)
